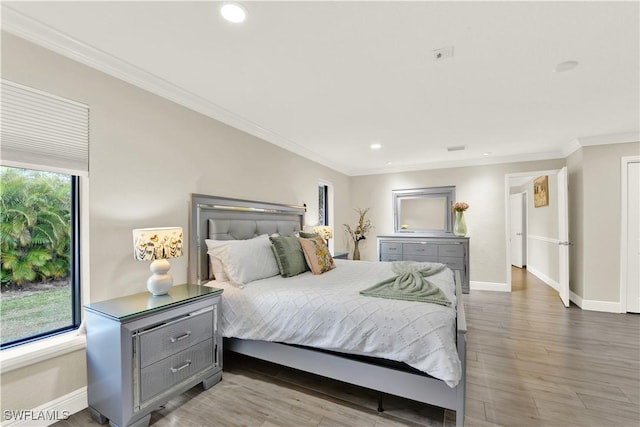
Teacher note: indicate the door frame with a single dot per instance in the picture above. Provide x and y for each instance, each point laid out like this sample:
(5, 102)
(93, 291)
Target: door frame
(507, 214)
(624, 164)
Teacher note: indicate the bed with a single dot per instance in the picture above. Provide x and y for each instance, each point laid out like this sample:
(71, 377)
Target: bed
(377, 359)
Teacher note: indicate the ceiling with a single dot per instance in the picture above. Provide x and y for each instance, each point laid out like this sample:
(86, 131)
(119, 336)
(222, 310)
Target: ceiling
(328, 79)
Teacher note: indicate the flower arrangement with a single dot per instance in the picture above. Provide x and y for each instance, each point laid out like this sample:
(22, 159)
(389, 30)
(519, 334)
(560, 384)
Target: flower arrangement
(460, 206)
(360, 232)
(363, 227)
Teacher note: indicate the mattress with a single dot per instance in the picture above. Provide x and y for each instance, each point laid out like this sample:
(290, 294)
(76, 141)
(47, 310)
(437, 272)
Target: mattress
(327, 312)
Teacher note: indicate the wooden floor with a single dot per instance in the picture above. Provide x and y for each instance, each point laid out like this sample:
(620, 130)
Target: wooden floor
(531, 362)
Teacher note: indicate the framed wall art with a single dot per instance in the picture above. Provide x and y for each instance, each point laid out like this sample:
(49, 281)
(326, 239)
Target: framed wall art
(541, 191)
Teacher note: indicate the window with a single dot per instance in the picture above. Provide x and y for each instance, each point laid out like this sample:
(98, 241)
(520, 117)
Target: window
(323, 204)
(45, 142)
(39, 254)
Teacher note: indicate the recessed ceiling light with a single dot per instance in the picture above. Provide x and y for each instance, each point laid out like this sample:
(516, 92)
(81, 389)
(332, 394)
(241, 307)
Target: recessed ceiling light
(486, 153)
(389, 163)
(375, 146)
(565, 66)
(233, 12)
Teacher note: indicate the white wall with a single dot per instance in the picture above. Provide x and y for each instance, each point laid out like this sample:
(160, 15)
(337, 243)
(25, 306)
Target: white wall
(542, 238)
(147, 155)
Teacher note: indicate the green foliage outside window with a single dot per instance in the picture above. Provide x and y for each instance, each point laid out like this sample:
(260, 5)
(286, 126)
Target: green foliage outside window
(34, 226)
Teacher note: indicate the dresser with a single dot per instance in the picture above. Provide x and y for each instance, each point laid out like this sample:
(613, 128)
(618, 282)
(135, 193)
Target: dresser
(143, 350)
(452, 251)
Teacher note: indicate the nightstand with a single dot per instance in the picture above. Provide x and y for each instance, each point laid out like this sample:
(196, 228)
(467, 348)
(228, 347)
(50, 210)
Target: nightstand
(341, 255)
(143, 350)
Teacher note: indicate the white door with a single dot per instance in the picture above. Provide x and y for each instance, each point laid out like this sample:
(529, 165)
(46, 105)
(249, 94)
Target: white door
(633, 237)
(517, 228)
(563, 236)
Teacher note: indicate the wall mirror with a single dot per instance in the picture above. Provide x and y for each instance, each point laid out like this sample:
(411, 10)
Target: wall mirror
(424, 210)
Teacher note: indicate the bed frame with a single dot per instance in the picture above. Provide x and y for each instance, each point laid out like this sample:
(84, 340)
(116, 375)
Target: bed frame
(222, 218)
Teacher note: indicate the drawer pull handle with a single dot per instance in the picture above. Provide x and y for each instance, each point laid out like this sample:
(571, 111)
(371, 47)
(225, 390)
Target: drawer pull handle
(181, 337)
(180, 368)
(393, 249)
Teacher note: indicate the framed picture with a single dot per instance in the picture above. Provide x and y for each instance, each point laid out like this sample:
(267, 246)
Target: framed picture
(541, 191)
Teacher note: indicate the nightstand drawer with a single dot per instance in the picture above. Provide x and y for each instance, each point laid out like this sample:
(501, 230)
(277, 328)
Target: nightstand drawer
(160, 376)
(452, 263)
(163, 341)
(391, 248)
(390, 257)
(451, 251)
(419, 249)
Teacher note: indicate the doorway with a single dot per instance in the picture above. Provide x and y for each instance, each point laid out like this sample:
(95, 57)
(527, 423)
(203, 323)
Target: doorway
(545, 233)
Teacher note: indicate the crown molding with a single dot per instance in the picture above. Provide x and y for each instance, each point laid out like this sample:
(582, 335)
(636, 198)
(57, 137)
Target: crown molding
(613, 138)
(529, 157)
(45, 36)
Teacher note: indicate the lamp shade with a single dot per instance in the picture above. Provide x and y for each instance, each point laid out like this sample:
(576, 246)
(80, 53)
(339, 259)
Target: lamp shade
(324, 231)
(158, 245)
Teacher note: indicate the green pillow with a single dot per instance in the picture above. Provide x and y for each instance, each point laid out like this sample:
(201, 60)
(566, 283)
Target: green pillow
(289, 255)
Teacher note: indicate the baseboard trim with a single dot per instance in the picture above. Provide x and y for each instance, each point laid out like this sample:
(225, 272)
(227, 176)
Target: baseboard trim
(546, 279)
(594, 305)
(489, 286)
(49, 413)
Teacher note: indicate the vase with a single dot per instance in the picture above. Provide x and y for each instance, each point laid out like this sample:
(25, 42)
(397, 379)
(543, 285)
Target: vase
(356, 250)
(460, 225)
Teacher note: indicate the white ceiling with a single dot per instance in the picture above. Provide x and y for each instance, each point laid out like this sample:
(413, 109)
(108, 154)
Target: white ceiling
(327, 79)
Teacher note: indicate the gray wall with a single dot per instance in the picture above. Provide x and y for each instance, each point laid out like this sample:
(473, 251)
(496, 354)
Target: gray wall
(595, 219)
(483, 187)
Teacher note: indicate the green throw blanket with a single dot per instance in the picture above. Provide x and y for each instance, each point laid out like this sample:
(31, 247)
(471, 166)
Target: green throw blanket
(411, 283)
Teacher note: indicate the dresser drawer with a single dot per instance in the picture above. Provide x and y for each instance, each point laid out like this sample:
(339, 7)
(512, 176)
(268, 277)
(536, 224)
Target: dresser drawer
(421, 249)
(173, 337)
(162, 375)
(450, 251)
(420, 258)
(391, 248)
(390, 257)
(452, 263)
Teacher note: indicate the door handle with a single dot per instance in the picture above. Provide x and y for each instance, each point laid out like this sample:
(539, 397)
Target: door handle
(518, 234)
(566, 243)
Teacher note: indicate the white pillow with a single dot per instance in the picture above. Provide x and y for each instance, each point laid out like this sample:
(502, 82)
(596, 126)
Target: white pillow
(216, 265)
(244, 261)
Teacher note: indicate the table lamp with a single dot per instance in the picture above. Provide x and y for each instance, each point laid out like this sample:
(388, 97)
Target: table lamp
(158, 245)
(324, 231)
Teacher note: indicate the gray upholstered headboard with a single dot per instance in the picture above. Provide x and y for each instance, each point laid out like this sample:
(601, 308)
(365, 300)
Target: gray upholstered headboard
(221, 218)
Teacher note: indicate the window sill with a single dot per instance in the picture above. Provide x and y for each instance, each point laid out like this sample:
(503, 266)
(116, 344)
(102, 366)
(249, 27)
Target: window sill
(41, 350)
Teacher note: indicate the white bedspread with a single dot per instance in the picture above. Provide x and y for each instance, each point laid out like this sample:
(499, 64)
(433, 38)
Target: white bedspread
(327, 312)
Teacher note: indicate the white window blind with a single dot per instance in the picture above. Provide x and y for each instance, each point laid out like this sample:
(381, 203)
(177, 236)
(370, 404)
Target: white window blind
(43, 130)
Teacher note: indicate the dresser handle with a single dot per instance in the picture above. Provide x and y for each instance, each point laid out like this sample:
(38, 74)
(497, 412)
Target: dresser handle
(180, 368)
(181, 337)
